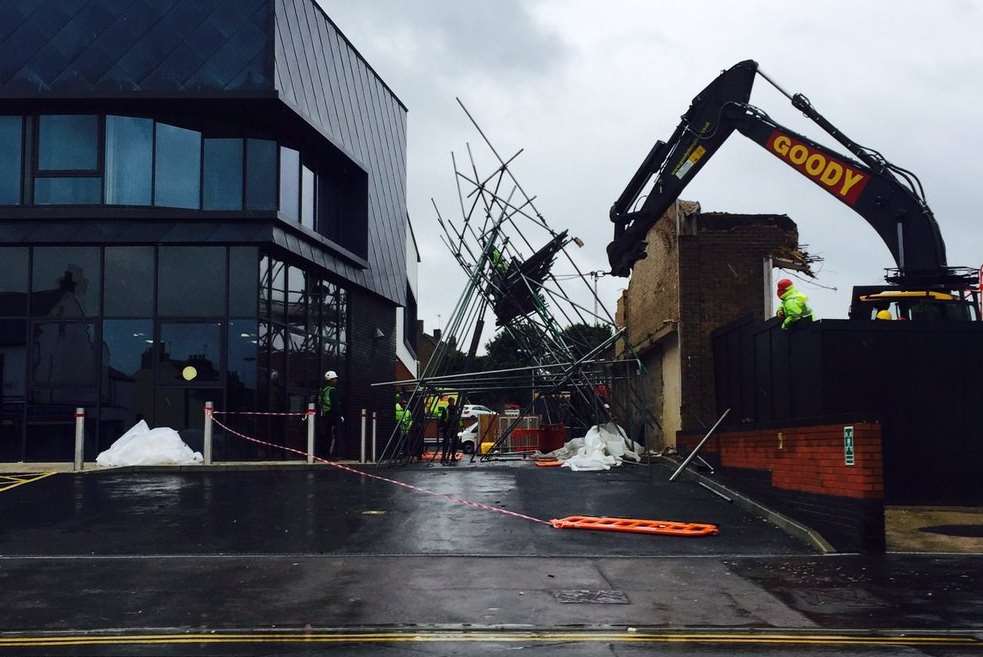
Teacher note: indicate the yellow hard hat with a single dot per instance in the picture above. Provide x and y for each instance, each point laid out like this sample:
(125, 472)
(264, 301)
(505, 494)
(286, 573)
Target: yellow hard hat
(884, 314)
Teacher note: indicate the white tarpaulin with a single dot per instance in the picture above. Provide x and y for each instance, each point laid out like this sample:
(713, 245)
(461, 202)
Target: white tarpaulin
(604, 447)
(142, 445)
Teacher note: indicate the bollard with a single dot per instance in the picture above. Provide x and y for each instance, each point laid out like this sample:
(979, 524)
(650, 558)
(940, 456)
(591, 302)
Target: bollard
(362, 459)
(79, 437)
(207, 449)
(373, 436)
(311, 413)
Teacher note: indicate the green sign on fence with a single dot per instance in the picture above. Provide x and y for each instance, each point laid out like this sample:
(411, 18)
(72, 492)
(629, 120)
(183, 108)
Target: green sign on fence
(848, 454)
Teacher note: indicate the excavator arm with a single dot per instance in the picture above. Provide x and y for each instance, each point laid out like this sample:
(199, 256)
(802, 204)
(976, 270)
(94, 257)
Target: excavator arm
(888, 197)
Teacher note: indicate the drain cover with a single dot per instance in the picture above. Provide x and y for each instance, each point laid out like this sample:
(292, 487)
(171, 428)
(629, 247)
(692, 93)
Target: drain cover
(972, 531)
(585, 596)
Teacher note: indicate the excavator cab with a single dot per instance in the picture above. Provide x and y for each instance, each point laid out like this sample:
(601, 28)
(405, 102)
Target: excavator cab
(915, 305)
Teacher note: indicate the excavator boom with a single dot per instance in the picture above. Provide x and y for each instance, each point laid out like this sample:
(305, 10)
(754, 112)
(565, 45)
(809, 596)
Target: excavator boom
(868, 185)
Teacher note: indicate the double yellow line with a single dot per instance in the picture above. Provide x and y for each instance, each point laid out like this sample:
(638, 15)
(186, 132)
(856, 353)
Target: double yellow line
(719, 638)
(8, 481)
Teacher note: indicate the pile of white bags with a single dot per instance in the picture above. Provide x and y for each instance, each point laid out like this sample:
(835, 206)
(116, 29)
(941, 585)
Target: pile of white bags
(605, 446)
(142, 445)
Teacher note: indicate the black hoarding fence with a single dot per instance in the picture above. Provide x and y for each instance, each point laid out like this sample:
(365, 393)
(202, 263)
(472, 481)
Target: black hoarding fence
(923, 381)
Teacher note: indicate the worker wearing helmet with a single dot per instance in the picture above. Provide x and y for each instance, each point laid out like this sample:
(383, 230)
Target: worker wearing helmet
(795, 305)
(884, 314)
(330, 411)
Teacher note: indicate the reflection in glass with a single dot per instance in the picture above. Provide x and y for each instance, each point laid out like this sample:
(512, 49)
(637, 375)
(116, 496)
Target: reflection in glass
(243, 281)
(68, 142)
(191, 281)
(65, 282)
(11, 156)
(13, 360)
(177, 171)
(289, 183)
(129, 281)
(127, 372)
(195, 345)
(261, 192)
(129, 160)
(296, 296)
(13, 281)
(242, 363)
(223, 174)
(67, 191)
(307, 198)
(64, 359)
(182, 409)
(278, 290)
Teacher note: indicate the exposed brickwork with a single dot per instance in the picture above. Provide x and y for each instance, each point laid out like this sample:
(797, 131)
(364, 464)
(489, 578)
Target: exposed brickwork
(703, 271)
(806, 459)
(801, 472)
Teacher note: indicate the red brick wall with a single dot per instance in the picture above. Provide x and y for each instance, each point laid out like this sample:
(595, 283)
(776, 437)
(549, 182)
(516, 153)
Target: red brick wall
(804, 459)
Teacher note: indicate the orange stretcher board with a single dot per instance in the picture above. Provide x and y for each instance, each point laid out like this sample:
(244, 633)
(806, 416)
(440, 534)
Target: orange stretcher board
(636, 526)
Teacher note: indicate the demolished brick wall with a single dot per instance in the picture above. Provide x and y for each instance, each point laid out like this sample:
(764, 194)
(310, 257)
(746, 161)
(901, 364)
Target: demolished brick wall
(703, 270)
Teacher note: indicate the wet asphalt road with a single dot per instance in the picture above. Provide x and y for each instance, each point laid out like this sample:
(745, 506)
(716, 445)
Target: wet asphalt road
(132, 552)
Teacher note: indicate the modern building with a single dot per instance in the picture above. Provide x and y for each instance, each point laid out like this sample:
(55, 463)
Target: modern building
(199, 200)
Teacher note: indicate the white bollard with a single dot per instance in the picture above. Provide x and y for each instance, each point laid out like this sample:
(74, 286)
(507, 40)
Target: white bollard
(373, 436)
(311, 413)
(207, 448)
(79, 437)
(362, 459)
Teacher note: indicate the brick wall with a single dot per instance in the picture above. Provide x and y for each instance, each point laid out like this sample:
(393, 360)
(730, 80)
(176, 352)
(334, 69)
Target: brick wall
(371, 360)
(721, 278)
(801, 472)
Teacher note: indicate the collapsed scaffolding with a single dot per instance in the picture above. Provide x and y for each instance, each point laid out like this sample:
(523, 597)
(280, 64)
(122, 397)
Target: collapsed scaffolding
(532, 292)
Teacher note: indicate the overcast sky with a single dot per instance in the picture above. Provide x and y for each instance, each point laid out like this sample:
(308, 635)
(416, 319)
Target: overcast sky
(587, 87)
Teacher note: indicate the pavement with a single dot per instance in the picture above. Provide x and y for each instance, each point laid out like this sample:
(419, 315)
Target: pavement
(321, 561)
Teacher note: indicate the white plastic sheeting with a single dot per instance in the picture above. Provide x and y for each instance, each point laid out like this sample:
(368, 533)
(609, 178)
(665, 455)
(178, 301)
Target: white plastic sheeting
(604, 447)
(142, 445)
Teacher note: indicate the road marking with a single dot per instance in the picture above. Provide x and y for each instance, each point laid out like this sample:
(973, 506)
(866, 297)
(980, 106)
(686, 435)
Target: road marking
(10, 481)
(737, 638)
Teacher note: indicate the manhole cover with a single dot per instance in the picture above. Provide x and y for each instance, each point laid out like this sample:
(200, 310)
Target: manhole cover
(972, 531)
(584, 596)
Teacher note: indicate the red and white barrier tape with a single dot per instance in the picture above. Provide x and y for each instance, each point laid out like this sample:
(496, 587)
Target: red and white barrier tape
(456, 500)
(296, 413)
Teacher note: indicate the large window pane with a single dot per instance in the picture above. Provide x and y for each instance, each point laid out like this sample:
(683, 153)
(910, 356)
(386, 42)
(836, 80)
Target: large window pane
(243, 350)
(127, 372)
(223, 174)
(183, 409)
(243, 279)
(67, 191)
(177, 171)
(13, 281)
(13, 360)
(190, 352)
(191, 281)
(64, 358)
(260, 174)
(11, 156)
(129, 281)
(65, 282)
(307, 198)
(68, 142)
(289, 183)
(129, 159)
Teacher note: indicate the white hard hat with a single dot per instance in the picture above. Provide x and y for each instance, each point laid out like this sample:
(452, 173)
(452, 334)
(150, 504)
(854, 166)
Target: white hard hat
(330, 374)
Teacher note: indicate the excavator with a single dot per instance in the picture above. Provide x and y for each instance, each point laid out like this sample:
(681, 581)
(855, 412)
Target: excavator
(890, 198)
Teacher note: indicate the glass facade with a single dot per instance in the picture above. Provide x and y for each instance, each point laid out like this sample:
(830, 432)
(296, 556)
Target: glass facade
(129, 160)
(132, 161)
(11, 158)
(68, 142)
(232, 325)
(177, 167)
(223, 174)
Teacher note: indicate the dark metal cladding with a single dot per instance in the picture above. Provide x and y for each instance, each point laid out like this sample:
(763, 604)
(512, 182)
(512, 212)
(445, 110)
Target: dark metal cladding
(189, 53)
